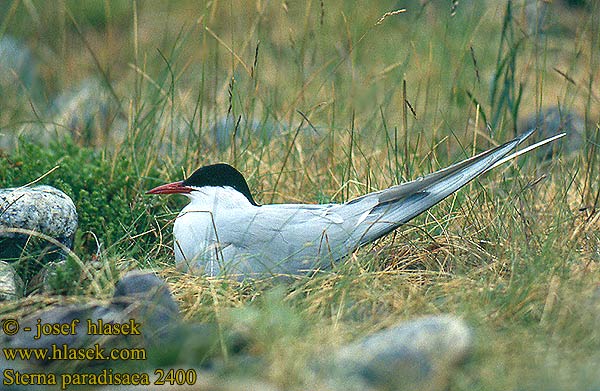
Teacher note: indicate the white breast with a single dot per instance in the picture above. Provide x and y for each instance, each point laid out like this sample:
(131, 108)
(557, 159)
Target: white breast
(197, 242)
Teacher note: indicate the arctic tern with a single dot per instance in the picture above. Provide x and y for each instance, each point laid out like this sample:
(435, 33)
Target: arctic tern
(223, 231)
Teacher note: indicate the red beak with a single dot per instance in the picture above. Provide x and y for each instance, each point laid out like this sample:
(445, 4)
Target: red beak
(171, 188)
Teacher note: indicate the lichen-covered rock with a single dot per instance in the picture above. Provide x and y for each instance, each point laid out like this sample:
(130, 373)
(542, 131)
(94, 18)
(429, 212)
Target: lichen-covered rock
(415, 355)
(11, 285)
(40, 209)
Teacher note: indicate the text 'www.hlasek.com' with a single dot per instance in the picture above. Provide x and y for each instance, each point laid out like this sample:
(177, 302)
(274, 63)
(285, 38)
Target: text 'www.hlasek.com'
(80, 342)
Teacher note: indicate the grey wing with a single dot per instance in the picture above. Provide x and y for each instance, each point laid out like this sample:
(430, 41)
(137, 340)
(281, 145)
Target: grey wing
(291, 238)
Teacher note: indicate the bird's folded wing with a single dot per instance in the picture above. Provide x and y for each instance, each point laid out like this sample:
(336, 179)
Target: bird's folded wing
(450, 179)
(399, 204)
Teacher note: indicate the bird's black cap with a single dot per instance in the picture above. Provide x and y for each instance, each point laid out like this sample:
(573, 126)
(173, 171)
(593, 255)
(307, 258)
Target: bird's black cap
(220, 174)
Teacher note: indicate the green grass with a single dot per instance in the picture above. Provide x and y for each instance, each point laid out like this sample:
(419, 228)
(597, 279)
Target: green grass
(516, 253)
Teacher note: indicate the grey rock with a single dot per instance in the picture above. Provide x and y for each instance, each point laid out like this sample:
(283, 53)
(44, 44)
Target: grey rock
(548, 17)
(147, 285)
(53, 315)
(418, 354)
(41, 209)
(224, 128)
(18, 69)
(244, 130)
(87, 112)
(20, 86)
(554, 120)
(11, 285)
(536, 12)
(147, 298)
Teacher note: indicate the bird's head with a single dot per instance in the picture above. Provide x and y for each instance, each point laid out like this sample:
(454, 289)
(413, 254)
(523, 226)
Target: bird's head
(214, 175)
